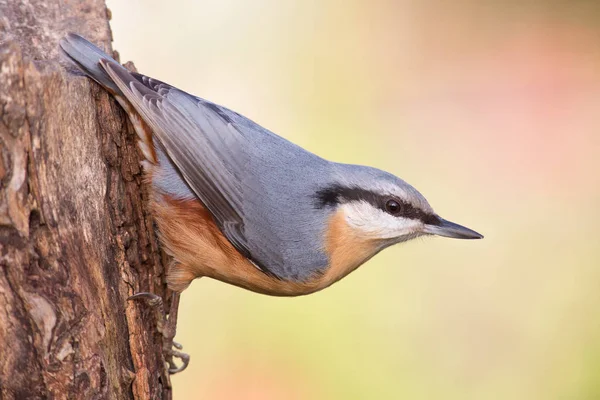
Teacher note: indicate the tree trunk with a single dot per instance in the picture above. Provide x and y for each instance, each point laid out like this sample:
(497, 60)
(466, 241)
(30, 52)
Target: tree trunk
(75, 237)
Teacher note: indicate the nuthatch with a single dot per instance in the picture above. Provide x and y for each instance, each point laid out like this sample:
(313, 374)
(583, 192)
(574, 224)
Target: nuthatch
(237, 203)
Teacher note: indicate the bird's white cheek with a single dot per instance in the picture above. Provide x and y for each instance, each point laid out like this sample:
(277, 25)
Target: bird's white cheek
(405, 227)
(377, 224)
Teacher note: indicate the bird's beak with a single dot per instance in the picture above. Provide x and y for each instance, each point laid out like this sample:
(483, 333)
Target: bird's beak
(451, 230)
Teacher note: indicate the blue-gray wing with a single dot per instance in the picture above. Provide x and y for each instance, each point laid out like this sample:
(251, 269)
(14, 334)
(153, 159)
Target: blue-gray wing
(209, 152)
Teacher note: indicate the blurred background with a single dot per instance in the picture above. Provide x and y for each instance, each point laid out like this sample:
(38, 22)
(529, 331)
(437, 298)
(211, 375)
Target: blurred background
(491, 109)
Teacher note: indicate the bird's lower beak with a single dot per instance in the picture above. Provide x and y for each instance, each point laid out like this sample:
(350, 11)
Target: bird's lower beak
(451, 230)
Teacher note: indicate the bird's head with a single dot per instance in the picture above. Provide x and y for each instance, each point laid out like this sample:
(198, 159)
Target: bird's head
(383, 208)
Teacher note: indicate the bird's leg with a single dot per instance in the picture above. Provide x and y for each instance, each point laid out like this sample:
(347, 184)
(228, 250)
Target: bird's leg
(171, 347)
(167, 327)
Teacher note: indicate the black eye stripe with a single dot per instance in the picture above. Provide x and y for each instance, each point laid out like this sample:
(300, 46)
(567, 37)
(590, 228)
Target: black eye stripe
(334, 195)
(416, 213)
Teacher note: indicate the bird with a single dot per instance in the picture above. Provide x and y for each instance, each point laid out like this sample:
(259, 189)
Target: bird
(238, 203)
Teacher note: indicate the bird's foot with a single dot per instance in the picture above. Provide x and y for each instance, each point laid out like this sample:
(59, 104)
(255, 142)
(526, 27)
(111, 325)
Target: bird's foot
(171, 352)
(167, 327)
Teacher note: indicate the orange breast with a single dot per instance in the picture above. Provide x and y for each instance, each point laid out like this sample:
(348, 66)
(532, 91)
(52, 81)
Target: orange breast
(347, 248)
(192, 237)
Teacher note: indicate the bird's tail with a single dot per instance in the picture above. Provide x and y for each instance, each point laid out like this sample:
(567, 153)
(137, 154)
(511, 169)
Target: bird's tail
(86, 57)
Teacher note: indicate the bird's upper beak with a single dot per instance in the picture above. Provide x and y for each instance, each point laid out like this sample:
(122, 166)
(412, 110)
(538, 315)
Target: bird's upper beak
(451, 230)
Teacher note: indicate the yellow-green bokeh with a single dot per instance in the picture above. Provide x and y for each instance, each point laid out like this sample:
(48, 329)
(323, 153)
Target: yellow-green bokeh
(491, 109)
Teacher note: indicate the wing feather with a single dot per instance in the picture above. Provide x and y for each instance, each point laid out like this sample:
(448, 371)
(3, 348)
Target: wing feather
(205, 147)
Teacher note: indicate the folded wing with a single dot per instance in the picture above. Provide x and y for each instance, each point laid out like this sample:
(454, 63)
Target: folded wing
(206, 148)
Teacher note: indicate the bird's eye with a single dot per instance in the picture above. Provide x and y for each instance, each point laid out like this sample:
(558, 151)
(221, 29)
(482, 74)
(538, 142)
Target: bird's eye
(393, 207)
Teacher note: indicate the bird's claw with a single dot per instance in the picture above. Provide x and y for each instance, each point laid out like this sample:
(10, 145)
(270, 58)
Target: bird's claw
(157, 305)
(152, 299)
(167, 328)
(185, 360)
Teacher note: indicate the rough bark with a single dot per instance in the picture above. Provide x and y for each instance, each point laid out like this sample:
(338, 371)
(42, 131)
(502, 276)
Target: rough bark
(75, 237)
